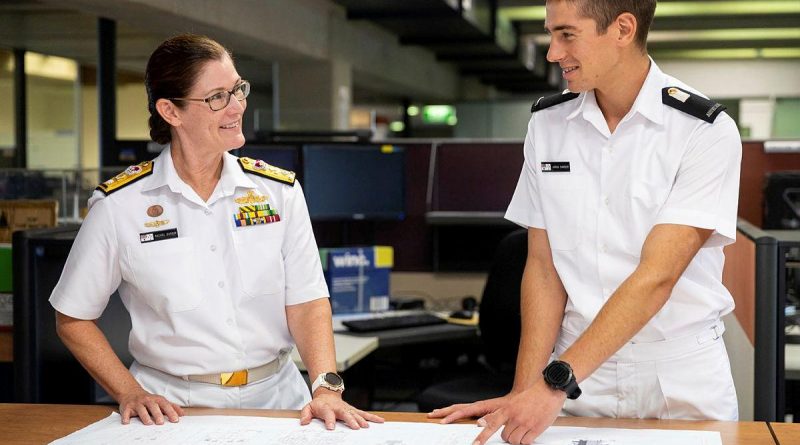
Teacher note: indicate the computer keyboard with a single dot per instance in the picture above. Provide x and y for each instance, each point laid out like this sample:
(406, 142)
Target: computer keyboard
(393, 322)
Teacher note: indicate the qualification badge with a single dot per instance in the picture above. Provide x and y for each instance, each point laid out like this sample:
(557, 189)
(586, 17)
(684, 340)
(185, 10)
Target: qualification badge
(254, 210)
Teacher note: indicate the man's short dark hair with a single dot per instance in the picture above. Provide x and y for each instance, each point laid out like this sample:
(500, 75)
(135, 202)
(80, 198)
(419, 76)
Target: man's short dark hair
(603, 12)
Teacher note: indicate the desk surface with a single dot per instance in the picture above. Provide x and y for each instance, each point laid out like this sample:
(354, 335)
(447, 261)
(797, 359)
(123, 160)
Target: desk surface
(23, 424)
(349, 351)
(786, 433)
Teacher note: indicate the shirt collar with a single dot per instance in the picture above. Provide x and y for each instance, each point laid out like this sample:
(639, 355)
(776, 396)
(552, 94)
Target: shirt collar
(164, 174)
(647, 103)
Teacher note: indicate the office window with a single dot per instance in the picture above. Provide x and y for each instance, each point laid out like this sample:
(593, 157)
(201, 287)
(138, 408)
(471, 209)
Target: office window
(6, 101)
(786, 118)
(53, 110)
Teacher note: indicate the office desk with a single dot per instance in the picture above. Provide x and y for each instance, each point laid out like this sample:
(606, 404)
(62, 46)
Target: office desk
(786, 433)
(35, 424)
(349, 351)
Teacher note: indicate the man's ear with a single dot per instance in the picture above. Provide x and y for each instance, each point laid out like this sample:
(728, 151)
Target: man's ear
(626, 28)
(168, 112)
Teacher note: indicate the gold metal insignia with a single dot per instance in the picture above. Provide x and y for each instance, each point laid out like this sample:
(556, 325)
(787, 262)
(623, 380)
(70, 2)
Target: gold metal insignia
(157, 223)
(251, 198)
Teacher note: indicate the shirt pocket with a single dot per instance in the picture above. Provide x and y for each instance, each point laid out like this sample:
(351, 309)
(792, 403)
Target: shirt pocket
(166, 274)
(563, 197)
(258, 252)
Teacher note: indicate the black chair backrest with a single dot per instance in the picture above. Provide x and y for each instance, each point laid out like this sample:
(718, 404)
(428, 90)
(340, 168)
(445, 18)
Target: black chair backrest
(500, 305)
(44, 369)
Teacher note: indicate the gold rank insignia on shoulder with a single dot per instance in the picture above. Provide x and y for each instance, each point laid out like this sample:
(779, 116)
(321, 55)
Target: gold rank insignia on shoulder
(127, 177)
(261, 168)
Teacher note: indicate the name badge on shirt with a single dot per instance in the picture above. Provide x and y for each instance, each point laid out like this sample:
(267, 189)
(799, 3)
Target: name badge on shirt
(160, 235)
(548, 167)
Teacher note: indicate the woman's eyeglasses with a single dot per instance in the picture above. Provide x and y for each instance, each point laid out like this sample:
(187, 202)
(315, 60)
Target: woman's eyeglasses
(221, 100)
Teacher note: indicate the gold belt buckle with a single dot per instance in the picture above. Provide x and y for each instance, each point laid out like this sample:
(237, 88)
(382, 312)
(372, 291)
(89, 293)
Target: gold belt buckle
(236, 378)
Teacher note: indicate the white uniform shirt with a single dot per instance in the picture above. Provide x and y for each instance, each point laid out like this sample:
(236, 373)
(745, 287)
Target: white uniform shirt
(660, 166)
(211, 300)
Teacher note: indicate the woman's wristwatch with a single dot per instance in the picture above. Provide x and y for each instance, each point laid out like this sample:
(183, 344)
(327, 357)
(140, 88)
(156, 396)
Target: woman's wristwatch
(328, 380)
(559, 375)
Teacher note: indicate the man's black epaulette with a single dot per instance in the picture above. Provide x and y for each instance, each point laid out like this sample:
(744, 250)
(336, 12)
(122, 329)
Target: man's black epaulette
(555, 99)
(690, 103)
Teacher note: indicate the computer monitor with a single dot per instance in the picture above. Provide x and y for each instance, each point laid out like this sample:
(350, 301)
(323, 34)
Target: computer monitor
(782, 200)
(44, 369)
(283, 156)
(354, 182)
(475, 177)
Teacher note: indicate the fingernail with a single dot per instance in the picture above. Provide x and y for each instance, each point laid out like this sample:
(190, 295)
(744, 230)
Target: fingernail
(476, 443)
(481, 422)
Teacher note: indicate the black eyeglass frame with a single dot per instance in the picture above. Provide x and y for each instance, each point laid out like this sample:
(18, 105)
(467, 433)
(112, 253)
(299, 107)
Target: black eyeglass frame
(243, 86)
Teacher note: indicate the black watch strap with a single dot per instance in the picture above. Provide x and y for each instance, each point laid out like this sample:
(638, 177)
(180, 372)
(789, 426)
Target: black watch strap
(572, 389)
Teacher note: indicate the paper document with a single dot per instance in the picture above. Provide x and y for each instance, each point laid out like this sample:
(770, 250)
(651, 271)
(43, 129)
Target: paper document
(239, 430)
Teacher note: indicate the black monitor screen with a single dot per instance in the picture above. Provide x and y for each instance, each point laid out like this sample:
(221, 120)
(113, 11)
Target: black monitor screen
(782, 200)
(283, 156)
(347, 182)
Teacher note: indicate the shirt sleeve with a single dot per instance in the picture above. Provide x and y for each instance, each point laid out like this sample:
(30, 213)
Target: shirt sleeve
(92, 272)
(304, 278)
(525, 208)
(706, 189)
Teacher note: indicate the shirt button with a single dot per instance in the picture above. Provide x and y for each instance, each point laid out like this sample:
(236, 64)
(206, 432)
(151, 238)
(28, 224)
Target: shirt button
(213, 248)
(605, 200)
(229, 322)
(221, 284)
(207, 211)
(603, 248)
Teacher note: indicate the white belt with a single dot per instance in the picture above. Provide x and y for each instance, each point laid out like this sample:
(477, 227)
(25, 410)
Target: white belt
(657, 350)
(243, 376)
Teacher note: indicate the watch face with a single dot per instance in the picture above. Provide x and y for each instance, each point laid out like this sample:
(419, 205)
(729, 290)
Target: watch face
(557, 374)
(333, 379)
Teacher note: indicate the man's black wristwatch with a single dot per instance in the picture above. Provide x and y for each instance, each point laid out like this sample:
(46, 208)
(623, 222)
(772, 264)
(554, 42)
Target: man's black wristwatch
(559, 375)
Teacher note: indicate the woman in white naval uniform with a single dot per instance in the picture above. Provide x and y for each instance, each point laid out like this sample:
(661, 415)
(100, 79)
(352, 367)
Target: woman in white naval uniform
(213, 256)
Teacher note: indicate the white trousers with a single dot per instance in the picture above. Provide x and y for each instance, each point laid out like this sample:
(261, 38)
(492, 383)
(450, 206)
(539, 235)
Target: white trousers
(284, 390)
(685, 378)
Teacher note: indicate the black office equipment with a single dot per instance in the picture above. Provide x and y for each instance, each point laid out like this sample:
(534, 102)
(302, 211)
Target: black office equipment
(44, 369)
(500, 331)
(393, 322)
(782, 200)
(354, 182)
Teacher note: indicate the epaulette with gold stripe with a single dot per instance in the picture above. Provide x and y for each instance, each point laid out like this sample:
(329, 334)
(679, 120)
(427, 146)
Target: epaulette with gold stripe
(128, 177)
(261, 168)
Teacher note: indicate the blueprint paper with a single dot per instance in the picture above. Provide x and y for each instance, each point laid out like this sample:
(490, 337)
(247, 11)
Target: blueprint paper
(240, 430)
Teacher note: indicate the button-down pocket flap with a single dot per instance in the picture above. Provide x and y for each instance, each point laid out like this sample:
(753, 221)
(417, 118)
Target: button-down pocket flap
(165, 274)
(258, 251)
(562, 197)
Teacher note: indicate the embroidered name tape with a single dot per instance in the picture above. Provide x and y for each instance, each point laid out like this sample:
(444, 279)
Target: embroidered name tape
(555, 167)
(160, 235)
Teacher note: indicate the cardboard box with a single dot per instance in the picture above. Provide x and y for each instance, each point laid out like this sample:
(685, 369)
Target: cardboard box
(26, 214)
(358, 277)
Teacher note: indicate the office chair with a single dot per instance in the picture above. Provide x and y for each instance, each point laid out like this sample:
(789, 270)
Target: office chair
(499, 325)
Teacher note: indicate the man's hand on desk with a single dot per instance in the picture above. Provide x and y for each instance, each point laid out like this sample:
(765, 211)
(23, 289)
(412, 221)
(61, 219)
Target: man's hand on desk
(150, 408)
(329, 407)
(525, 414)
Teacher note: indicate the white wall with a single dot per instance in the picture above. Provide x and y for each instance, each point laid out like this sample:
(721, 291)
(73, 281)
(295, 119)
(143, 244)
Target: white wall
(725, 79)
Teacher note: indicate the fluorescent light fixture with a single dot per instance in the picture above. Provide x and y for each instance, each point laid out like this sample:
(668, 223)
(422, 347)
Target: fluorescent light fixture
(728, 53)
(681, 8)
(397, 126)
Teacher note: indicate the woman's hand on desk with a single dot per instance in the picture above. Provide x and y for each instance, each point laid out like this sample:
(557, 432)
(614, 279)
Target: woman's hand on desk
(149, 408)
(329, 407)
